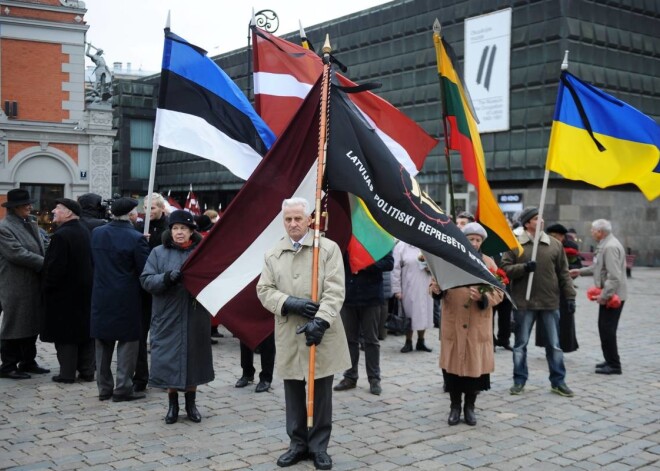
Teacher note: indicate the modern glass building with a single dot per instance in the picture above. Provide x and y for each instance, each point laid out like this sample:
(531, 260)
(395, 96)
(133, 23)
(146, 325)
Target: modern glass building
(614, 45)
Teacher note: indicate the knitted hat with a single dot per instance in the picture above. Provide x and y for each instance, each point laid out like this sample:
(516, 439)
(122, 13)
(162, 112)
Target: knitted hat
(527, 214)
(474, 228)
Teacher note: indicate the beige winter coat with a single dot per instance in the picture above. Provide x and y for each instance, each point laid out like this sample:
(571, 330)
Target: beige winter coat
(466, 333)
(287, 273)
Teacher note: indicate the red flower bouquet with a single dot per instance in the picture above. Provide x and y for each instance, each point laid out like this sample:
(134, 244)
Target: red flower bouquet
(613, 303)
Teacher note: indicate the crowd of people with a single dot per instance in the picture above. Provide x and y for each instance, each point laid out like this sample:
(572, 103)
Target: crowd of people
(100, 286)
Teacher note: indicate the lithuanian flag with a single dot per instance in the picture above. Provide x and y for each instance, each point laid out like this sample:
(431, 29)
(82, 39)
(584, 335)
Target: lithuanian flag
(462, 135)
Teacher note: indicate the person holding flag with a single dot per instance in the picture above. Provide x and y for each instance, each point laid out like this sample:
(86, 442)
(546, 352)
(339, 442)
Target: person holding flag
(550, 277)
(284, 288)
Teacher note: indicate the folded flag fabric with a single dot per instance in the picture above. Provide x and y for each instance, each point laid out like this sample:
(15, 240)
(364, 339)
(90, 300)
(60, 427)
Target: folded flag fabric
(601, 140)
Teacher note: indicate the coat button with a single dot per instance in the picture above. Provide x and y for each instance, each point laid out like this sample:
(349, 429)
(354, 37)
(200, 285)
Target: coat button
(465, 326)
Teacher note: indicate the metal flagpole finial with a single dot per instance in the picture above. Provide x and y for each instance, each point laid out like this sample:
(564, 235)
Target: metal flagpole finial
(564, 63)
(436, 26)
(167, 21)
(302, 30)
(326, 45)
(267, 19)
(253, 20)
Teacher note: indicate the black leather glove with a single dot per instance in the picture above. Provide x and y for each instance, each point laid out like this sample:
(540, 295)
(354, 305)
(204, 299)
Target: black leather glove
(570, 306)
(530, 266)
(172, 277)
(314, 330)
(301, 306)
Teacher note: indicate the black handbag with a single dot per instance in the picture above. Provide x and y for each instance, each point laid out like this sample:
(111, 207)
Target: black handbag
(397, 322)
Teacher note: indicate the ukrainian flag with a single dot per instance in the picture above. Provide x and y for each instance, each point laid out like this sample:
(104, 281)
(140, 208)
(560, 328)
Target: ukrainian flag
(602, 140)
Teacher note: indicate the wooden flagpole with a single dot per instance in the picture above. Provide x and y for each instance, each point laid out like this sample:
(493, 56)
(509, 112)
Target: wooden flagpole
(320, 170)
(537, 234)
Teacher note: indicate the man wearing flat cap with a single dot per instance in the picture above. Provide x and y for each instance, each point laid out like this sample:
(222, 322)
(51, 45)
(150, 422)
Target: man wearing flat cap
(21, 261)
(119, 253)
(68, 292)
(551, 277)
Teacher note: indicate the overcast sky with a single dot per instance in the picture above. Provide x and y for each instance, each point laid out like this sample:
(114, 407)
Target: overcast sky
(132, 30)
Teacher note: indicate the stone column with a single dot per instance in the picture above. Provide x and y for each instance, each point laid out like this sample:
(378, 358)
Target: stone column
(101, 134)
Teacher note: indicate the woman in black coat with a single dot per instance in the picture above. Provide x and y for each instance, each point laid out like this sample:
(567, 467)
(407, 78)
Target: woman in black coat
(181, 357)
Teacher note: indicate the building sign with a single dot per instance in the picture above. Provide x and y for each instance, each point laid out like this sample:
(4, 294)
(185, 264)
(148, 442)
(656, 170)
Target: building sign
(487, 71)
(510, 203)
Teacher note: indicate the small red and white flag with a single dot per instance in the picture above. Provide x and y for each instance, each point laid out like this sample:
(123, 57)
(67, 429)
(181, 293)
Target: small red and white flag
(171, 203)
(192, 205)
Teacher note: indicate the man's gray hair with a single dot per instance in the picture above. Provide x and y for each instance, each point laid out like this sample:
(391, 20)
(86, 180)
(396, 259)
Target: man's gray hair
(602, 225)
(297, 201)
(125, 217)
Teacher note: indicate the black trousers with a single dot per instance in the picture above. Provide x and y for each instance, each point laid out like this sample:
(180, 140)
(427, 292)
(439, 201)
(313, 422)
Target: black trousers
(18, 353)
(608, 322)
(503, 311)
(267, 349)
(74, 357)
(141, 377)
(316, 438)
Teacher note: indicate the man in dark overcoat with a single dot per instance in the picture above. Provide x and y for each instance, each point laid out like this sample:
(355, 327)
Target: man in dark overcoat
(21, 261)
(67, 283)
(119, 253)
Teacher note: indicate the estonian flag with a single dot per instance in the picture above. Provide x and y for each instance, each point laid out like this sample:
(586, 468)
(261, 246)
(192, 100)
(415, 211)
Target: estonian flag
(201, 111)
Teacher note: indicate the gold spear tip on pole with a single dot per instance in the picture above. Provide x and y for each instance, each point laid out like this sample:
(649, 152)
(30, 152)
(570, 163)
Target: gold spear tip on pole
(564, 63)
(326, 45)
(436, 27)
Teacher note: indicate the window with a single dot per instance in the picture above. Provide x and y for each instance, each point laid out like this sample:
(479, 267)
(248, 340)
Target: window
(142, 135)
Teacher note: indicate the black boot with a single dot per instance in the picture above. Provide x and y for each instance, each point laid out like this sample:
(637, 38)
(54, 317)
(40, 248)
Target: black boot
(421, 346)
(191, 408)
(173, 412)
(468, 411)
(407, 347)
(455, 408)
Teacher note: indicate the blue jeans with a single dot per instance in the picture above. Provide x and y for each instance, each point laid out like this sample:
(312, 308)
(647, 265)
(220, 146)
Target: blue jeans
(524, 323)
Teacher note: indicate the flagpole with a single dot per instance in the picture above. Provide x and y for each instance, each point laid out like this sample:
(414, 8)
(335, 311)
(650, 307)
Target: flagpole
(452, 205)
(544, 188)
(154, 153)
(320, 169)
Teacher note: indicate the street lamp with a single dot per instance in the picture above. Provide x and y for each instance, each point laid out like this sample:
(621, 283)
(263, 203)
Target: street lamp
(266, 20)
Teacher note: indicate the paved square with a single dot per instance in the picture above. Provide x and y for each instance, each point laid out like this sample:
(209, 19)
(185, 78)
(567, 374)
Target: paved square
(612, 423)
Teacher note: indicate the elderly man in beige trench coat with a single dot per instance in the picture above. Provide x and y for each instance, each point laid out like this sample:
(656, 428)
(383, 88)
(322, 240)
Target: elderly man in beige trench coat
(284, 288)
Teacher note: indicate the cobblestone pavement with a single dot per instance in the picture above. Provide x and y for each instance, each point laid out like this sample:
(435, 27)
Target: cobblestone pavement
(612, 423)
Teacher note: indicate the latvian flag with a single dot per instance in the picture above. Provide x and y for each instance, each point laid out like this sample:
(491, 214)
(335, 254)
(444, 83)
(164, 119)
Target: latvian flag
(192, 204)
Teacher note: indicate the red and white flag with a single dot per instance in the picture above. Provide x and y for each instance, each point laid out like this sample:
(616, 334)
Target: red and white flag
(192, 205)
(171, 203)
(284, 73)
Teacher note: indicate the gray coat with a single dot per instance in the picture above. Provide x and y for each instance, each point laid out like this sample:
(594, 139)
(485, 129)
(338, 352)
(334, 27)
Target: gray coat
(288, 273)
(21, 260)
(180, 327)
(609, 268)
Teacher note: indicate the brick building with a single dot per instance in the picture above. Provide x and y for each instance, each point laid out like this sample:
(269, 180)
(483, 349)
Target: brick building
(51, 141)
